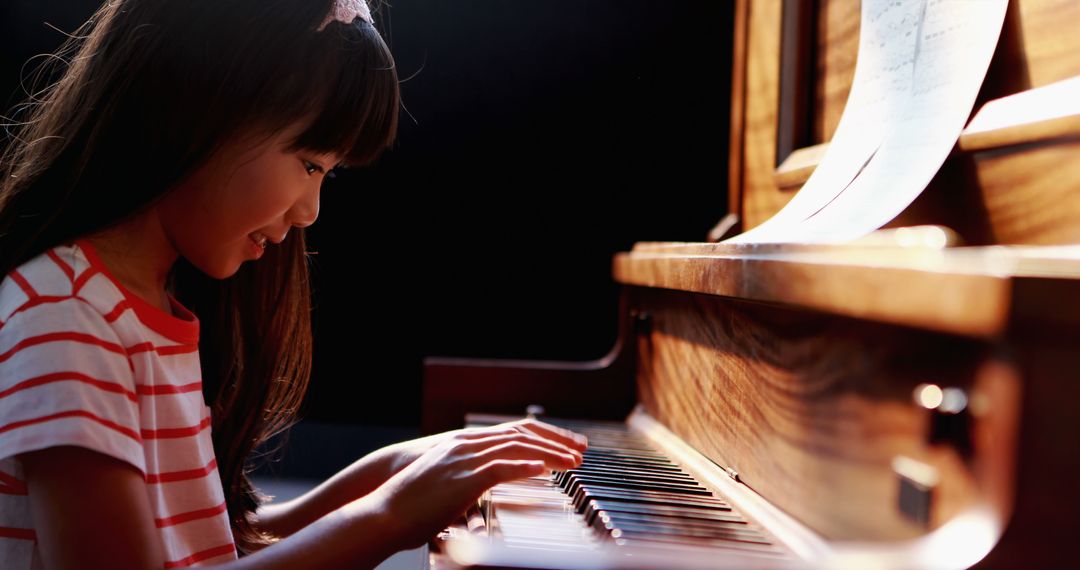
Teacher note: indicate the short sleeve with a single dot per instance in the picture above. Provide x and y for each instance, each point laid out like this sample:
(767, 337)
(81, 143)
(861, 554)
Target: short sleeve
(66, 379)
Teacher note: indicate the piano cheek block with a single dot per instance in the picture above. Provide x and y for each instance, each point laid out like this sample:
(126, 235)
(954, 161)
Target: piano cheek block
(917, 481)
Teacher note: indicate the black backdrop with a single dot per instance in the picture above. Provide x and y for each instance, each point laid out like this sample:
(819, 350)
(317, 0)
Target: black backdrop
(537, 139)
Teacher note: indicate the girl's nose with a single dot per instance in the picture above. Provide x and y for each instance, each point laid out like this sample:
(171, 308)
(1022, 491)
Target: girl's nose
(305, 211)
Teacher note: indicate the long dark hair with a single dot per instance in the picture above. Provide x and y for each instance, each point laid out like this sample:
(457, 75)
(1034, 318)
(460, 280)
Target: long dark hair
(149, 90)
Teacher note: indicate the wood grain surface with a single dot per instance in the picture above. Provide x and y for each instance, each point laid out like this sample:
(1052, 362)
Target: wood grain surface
(975, 193)
(810, 410)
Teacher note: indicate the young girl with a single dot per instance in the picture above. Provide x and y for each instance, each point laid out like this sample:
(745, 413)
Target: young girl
(179, 157)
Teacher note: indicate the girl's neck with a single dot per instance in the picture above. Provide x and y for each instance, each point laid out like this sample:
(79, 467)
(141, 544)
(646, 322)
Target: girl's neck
(139, 255)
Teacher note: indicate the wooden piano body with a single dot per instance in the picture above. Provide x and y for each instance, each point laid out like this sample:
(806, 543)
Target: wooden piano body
(817, 372)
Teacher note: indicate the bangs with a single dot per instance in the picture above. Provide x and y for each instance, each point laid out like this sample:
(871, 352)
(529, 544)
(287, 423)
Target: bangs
(345, 90)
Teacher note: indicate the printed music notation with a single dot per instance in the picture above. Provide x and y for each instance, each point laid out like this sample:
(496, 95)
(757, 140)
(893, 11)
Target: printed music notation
(881, 83)
(919, 69)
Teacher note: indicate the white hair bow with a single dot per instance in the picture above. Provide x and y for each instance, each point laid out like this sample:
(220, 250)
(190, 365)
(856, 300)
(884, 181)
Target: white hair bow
(346, 11)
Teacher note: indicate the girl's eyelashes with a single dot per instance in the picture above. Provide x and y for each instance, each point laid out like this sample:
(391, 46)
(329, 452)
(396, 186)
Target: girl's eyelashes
(311, 167)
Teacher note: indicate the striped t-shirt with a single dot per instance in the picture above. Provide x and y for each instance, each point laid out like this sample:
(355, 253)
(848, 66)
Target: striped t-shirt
(83, 361)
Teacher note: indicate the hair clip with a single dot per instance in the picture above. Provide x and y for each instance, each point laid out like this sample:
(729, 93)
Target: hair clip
(346, 11)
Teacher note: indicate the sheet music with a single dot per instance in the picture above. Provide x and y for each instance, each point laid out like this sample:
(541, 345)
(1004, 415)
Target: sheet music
(879, 90)
(956, 45)
(955, 41)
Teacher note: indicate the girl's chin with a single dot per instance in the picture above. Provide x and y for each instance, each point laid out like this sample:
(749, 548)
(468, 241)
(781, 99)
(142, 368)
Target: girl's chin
(223, 269)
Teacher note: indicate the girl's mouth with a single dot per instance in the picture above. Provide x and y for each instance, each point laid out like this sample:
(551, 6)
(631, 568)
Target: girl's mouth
(258, 242)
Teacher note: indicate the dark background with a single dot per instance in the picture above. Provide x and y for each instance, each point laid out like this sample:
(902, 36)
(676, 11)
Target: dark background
(537, 139)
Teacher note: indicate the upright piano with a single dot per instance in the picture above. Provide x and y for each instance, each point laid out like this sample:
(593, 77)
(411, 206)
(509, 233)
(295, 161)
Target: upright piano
(910, 399)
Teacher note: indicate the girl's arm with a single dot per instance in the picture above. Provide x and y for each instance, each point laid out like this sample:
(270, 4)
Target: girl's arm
(368, 473)
(105, 520)
(363, 476)
(105, 515)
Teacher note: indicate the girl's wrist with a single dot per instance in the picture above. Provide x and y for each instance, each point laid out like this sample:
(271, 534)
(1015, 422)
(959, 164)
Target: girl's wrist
(373, 511)
(359, 534)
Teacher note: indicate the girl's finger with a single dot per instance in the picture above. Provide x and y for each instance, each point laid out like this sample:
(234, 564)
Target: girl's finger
(565, 436)
(526, 451)
(503, 470)
(479, 444)
(476, 433)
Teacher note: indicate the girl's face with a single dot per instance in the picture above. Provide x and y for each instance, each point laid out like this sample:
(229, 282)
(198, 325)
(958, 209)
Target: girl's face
(243, 190)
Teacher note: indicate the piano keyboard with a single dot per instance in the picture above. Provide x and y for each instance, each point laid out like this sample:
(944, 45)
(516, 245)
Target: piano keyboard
(626, 497)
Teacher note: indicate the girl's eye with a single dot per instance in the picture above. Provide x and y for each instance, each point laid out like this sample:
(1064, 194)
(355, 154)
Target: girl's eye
(311, 167)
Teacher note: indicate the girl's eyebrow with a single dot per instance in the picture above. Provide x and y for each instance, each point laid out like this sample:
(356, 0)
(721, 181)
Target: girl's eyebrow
(338, 165)
(322, 165)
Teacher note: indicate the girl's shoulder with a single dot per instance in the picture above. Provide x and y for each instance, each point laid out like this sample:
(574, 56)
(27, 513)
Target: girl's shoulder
(71, 277)
(60, 272)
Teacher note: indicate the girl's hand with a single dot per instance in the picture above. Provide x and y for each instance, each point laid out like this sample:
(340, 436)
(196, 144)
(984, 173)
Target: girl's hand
(404, 453)
(435, 489)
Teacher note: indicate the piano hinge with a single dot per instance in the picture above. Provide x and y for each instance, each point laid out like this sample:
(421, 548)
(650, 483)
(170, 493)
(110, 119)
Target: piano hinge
(732, 473)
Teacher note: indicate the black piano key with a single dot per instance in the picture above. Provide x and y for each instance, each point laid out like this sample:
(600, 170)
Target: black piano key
(665, 471)
(567, 479)
(611, 461)
(684, 499)
(638, 466)
(587, 495)
(577, 480)
(636, 474)
(595, 454)
(606, 470)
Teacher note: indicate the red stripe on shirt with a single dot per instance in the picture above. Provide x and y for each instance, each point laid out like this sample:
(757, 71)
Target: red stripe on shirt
(23, 533)
(190, 516)
(68, 335)
(170, 476)
(177, 349)
(40, 300)
(118, 309)
(65, 335)
(11, 480)
(168, 433)
(163, 350)
(169, 389)
(124, 305)
(9, 485)
(110, 317)
(77, 377)
(201, 555)
(82, 279)
(6, 490)
(62, 265)
(73, 413)
(23, 283)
